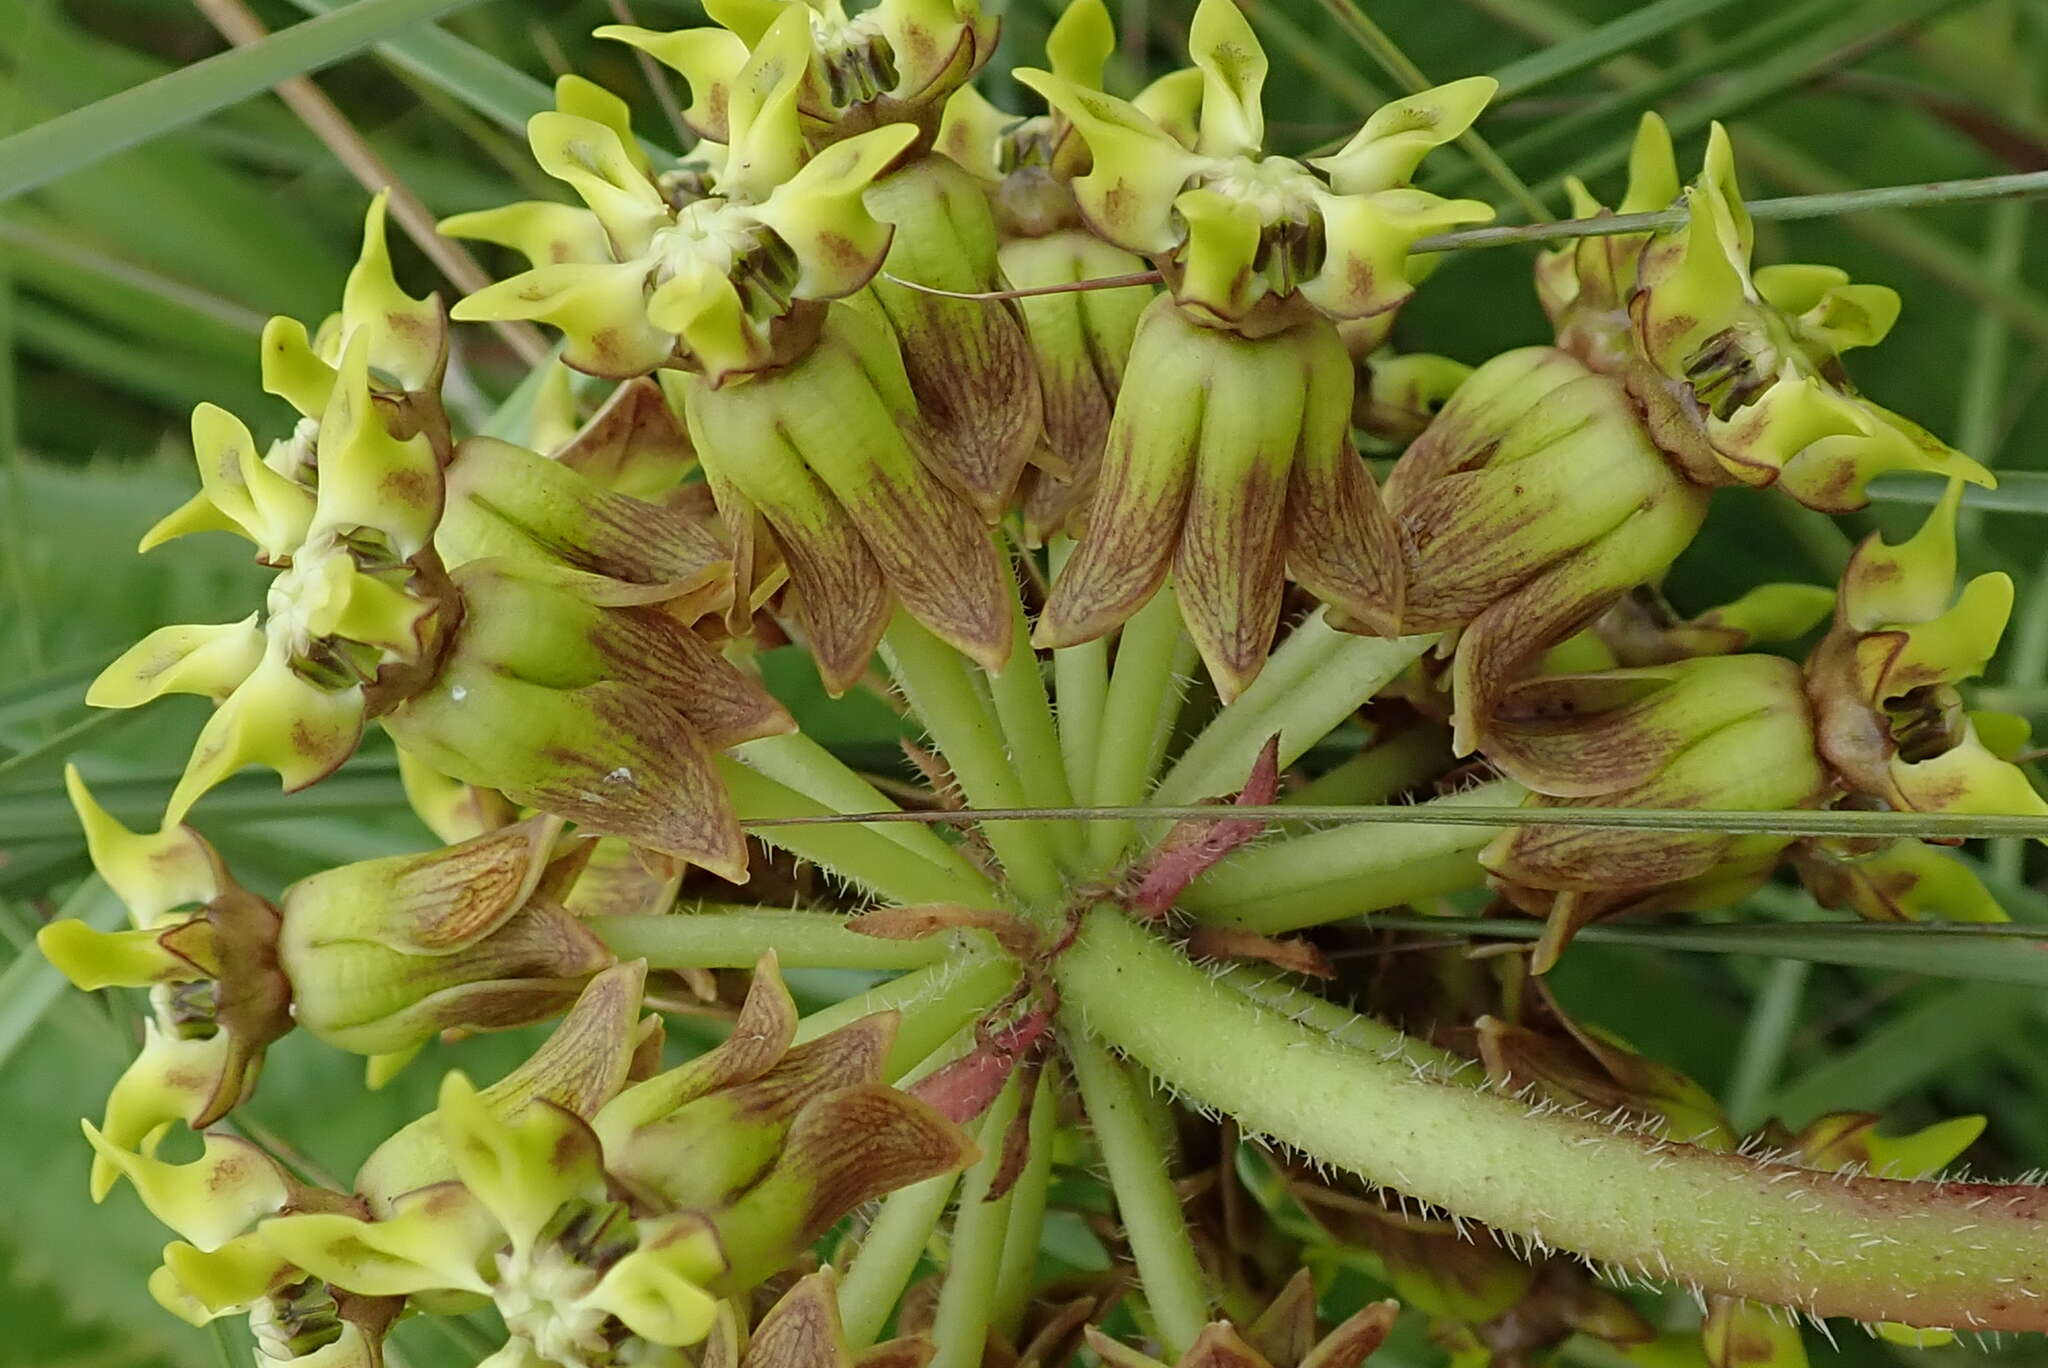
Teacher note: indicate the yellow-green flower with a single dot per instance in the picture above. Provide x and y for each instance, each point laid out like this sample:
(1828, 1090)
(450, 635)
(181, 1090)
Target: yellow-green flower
(205, 948)
(1738, 370)
(1884, 681)
(729, 282)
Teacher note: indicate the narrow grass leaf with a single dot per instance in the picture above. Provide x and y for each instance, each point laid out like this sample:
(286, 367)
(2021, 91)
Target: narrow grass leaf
(83, 136)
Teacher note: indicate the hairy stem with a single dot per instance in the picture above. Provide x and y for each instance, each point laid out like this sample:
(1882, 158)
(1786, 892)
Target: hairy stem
(958, 714)
(1140, 1173)
(888, 1256)
(800, 763)
(735, 936)
(860, 855)
(1966, 1255)
(967, 1298)
(1325, 875)
(935, 1002)
(1318, 677)
(1152, 654)
(1081, 684)
(1019, 1267)
(1383, 769)
(1025, 715)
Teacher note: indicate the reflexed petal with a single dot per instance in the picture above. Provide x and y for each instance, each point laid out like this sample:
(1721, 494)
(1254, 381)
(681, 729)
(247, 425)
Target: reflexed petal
(210, 1200)
(197, 1286)
(433, 1240)
(271, 510)
(211, 660)
(278, 720)
(1392, 143)
(293, 370)
(1365, 271)
(152, 875)
(170, 1079)
(1081, 42)
(521, 1167)
(1233, 65)
(94, 959)
(370, 479)
(1139, 167)
(708, 59)
(592, 159)
(546, 233)
(589, 100)
(820, 213)
(600, 308)
(658, 1289)
(408, 338)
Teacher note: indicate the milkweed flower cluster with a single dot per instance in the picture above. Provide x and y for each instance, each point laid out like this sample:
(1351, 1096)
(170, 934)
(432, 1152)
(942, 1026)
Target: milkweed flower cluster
(1025, 416)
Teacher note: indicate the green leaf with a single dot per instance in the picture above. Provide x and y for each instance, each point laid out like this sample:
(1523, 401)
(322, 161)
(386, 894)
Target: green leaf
(1986, 954)
(31, 985)
(493, 88)
(1597, 45)
(48, 150)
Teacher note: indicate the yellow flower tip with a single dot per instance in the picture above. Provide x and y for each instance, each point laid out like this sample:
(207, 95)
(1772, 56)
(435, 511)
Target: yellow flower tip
(380, 1069)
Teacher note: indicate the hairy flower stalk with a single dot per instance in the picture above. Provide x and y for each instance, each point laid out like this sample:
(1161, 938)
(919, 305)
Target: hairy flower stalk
(1168, 1054)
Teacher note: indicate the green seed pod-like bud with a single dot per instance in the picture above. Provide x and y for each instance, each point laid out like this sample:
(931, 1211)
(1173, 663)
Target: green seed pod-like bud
(1229, 464)
(828, 455)
(387, 953)
(1532, 502)
(1884, 680)
(609, 716)
(1727, 732)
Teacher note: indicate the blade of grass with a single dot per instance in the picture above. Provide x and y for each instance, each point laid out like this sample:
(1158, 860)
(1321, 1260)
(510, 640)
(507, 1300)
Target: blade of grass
(31, 985)
(1773, 1019)
(1985, 954)
(83, 136)
(1920, 825)
(1597, 45)
(1827, 50)
(240, 26)
(1945, 1029)
(2019, 491)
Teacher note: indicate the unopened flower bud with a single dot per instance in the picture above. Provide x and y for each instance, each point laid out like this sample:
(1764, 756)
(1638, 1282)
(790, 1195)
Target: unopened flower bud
(1727, 732)
(386, 953)
(609, 716)
(1229, 465)
(1532, 502)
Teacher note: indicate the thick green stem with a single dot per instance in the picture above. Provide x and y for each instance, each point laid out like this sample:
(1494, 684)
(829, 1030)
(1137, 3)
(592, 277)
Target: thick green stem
(1345, 1027)
(1318, 677)
(935, 1002)
(1152, 655)
(888, 1256)
(802, 764)
(1966, 1255)
(1382, 770)
(1025, 715)
(1141, 1175)
(1326, 875)
(1080, 677)
(962, 722)
(860, 855)
(967, 1298)
(1018, 1271)
(732, 936)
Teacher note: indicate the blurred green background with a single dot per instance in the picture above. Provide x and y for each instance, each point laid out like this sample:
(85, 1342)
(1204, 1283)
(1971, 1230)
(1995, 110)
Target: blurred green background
(133, 288)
